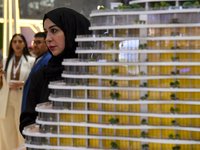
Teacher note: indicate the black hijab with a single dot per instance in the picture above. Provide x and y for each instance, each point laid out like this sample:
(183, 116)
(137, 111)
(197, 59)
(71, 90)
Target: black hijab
(72, 24)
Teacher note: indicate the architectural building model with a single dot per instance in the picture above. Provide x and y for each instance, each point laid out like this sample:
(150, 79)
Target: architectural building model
(134, 86)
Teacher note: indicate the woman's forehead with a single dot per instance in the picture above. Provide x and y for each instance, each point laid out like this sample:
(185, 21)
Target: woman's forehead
(17, 37)
(48, 23)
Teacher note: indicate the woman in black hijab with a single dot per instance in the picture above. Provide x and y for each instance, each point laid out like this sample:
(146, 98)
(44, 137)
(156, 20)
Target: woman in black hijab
(61, 25)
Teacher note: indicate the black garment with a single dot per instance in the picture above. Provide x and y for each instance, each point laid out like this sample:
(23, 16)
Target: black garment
(38, 93)
(72, 24)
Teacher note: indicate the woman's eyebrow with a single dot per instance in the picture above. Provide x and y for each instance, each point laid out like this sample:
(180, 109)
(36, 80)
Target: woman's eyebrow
(52, 26)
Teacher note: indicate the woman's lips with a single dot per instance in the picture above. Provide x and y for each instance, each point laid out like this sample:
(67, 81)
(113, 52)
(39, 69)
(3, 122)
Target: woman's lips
(51, 47)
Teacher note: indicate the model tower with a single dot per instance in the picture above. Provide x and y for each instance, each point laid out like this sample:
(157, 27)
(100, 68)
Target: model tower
(134, 86)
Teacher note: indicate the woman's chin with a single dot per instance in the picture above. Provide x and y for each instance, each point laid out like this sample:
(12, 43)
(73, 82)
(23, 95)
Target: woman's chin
(18, 51)
(54, 54)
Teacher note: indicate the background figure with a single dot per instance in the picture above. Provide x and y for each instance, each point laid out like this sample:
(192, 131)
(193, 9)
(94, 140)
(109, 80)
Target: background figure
(41, 51)
(61, 25)
(31, 51)
(16, 69)
(1, 55)
(1, 65)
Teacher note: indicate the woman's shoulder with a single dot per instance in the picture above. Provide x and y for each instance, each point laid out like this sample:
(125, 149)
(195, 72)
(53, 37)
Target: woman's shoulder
(39, 73)
(30, 58)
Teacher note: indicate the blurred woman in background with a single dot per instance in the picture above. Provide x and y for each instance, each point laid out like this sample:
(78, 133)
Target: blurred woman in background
(16, 68)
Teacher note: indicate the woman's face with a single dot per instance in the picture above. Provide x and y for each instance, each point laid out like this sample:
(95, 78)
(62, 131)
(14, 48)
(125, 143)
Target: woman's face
(55, 39)
(18, 45)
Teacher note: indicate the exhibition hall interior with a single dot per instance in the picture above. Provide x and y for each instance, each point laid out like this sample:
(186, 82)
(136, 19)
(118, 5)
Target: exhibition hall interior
(135, 84)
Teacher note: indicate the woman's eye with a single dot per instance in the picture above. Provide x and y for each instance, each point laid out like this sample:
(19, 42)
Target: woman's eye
(54, 30)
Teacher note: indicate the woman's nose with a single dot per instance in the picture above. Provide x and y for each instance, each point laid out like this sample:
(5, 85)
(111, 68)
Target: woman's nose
(48, 37)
